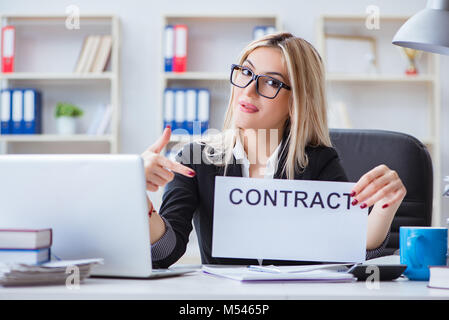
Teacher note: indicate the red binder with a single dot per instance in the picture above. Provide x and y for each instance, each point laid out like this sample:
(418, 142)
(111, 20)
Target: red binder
(8, 39)
(180, 57)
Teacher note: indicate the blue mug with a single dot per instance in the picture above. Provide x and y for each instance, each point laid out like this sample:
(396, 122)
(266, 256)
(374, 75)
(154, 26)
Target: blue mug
(421, 247)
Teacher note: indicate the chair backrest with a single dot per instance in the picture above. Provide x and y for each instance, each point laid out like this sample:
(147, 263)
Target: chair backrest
(362, 150)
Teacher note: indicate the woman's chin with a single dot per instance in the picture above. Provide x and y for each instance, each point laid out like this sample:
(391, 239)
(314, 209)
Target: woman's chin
(246, 125)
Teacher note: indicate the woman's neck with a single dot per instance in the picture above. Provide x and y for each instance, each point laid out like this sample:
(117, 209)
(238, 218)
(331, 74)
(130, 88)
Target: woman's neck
(260, 144)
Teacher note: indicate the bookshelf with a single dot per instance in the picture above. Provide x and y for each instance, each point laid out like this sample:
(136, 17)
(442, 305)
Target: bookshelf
(46, 56)
(387, 99)
(208, 60)
(214, 42)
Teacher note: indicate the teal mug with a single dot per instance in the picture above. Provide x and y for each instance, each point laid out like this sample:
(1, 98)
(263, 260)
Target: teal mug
(421, 247)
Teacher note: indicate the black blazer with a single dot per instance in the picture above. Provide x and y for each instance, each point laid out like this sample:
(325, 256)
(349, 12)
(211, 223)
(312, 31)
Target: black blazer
(186, 199)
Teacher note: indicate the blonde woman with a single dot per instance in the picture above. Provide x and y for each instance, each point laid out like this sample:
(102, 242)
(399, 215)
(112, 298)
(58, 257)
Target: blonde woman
(275, 127)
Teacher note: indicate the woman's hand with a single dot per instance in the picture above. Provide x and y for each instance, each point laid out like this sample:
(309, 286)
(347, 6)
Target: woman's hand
(381, 186)
(158, 169)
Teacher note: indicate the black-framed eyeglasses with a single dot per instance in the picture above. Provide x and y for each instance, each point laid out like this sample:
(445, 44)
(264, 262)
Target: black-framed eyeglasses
(266, 86)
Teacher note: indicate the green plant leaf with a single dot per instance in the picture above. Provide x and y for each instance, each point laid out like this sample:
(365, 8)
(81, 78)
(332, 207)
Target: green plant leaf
(67, 110)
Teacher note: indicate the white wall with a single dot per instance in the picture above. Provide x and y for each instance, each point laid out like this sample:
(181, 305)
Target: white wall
(141, 39)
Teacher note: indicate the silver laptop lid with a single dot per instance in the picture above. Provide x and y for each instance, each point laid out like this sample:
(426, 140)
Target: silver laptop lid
(95, 204)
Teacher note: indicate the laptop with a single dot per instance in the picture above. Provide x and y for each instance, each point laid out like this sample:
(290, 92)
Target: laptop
(96, 205)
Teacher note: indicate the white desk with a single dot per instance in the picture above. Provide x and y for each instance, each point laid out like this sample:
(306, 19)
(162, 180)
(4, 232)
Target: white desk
(203, 286)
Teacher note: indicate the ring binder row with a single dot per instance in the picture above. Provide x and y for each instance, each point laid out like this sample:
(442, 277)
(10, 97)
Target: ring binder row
(20, 111)
(187, 110)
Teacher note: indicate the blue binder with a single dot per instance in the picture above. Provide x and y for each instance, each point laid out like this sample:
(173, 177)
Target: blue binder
(5, 111)
(31, 112)
(169, 47)
(169, 108)
(191, 109)
(17, 111)
(203, 109)
(180, 112)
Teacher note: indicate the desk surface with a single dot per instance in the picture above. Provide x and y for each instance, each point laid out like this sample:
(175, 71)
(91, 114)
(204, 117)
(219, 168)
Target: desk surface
(203, 286)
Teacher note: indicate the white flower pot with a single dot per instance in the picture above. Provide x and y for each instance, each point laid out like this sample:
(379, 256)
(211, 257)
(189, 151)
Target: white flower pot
(66, 125)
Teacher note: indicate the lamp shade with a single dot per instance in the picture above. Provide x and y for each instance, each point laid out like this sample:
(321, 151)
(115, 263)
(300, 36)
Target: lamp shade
(428, 30)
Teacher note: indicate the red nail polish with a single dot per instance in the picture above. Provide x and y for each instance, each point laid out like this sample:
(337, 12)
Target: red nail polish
(168, 126)
(352, 193)
(385, 206)
(354, 202)
(192, 173)
(363, 206)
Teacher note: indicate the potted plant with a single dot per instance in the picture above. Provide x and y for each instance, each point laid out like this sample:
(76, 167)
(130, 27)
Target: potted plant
(66, 115)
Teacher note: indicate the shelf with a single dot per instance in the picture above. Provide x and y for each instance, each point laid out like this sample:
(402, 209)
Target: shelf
(56, 76)
(56, 16)
(362, 17)
(220, 76)
(378, 78)
(232, 16)
(55, 138)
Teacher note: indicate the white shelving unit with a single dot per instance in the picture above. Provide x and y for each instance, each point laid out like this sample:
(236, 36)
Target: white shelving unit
(214, 43)
(41, 40)
(415, 98)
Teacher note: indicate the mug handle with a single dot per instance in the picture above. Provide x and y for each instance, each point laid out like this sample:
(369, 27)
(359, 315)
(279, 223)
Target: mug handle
(412, 243)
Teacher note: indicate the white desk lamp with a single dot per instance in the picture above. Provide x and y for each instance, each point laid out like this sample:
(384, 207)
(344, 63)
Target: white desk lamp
(428, 30)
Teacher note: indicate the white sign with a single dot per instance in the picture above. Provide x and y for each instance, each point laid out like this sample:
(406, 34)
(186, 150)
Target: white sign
(287, 220)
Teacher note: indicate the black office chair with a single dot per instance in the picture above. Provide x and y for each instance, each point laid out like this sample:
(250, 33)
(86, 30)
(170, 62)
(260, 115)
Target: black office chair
(362, 150)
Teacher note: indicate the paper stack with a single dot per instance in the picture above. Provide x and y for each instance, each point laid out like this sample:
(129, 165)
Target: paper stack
(55, 272)
(312, 273)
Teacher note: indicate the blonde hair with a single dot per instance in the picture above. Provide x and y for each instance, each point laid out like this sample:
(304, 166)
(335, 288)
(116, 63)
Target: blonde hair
(307, 122)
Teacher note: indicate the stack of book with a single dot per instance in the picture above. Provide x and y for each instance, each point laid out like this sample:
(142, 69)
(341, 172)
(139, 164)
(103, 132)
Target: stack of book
(94, 54)
(54, 272)
(20, 111)
(175, 48)
(25, 246)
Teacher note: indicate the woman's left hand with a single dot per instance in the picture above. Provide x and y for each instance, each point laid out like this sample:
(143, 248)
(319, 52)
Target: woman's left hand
(380, 185)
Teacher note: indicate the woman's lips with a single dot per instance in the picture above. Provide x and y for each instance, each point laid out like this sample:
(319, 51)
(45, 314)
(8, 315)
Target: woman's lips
(248, 107)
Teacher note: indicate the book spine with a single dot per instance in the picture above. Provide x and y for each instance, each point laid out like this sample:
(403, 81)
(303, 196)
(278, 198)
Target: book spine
(25, 255)
(48, 245)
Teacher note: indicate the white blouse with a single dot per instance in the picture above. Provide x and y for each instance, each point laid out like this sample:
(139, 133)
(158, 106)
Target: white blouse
(240, 157)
